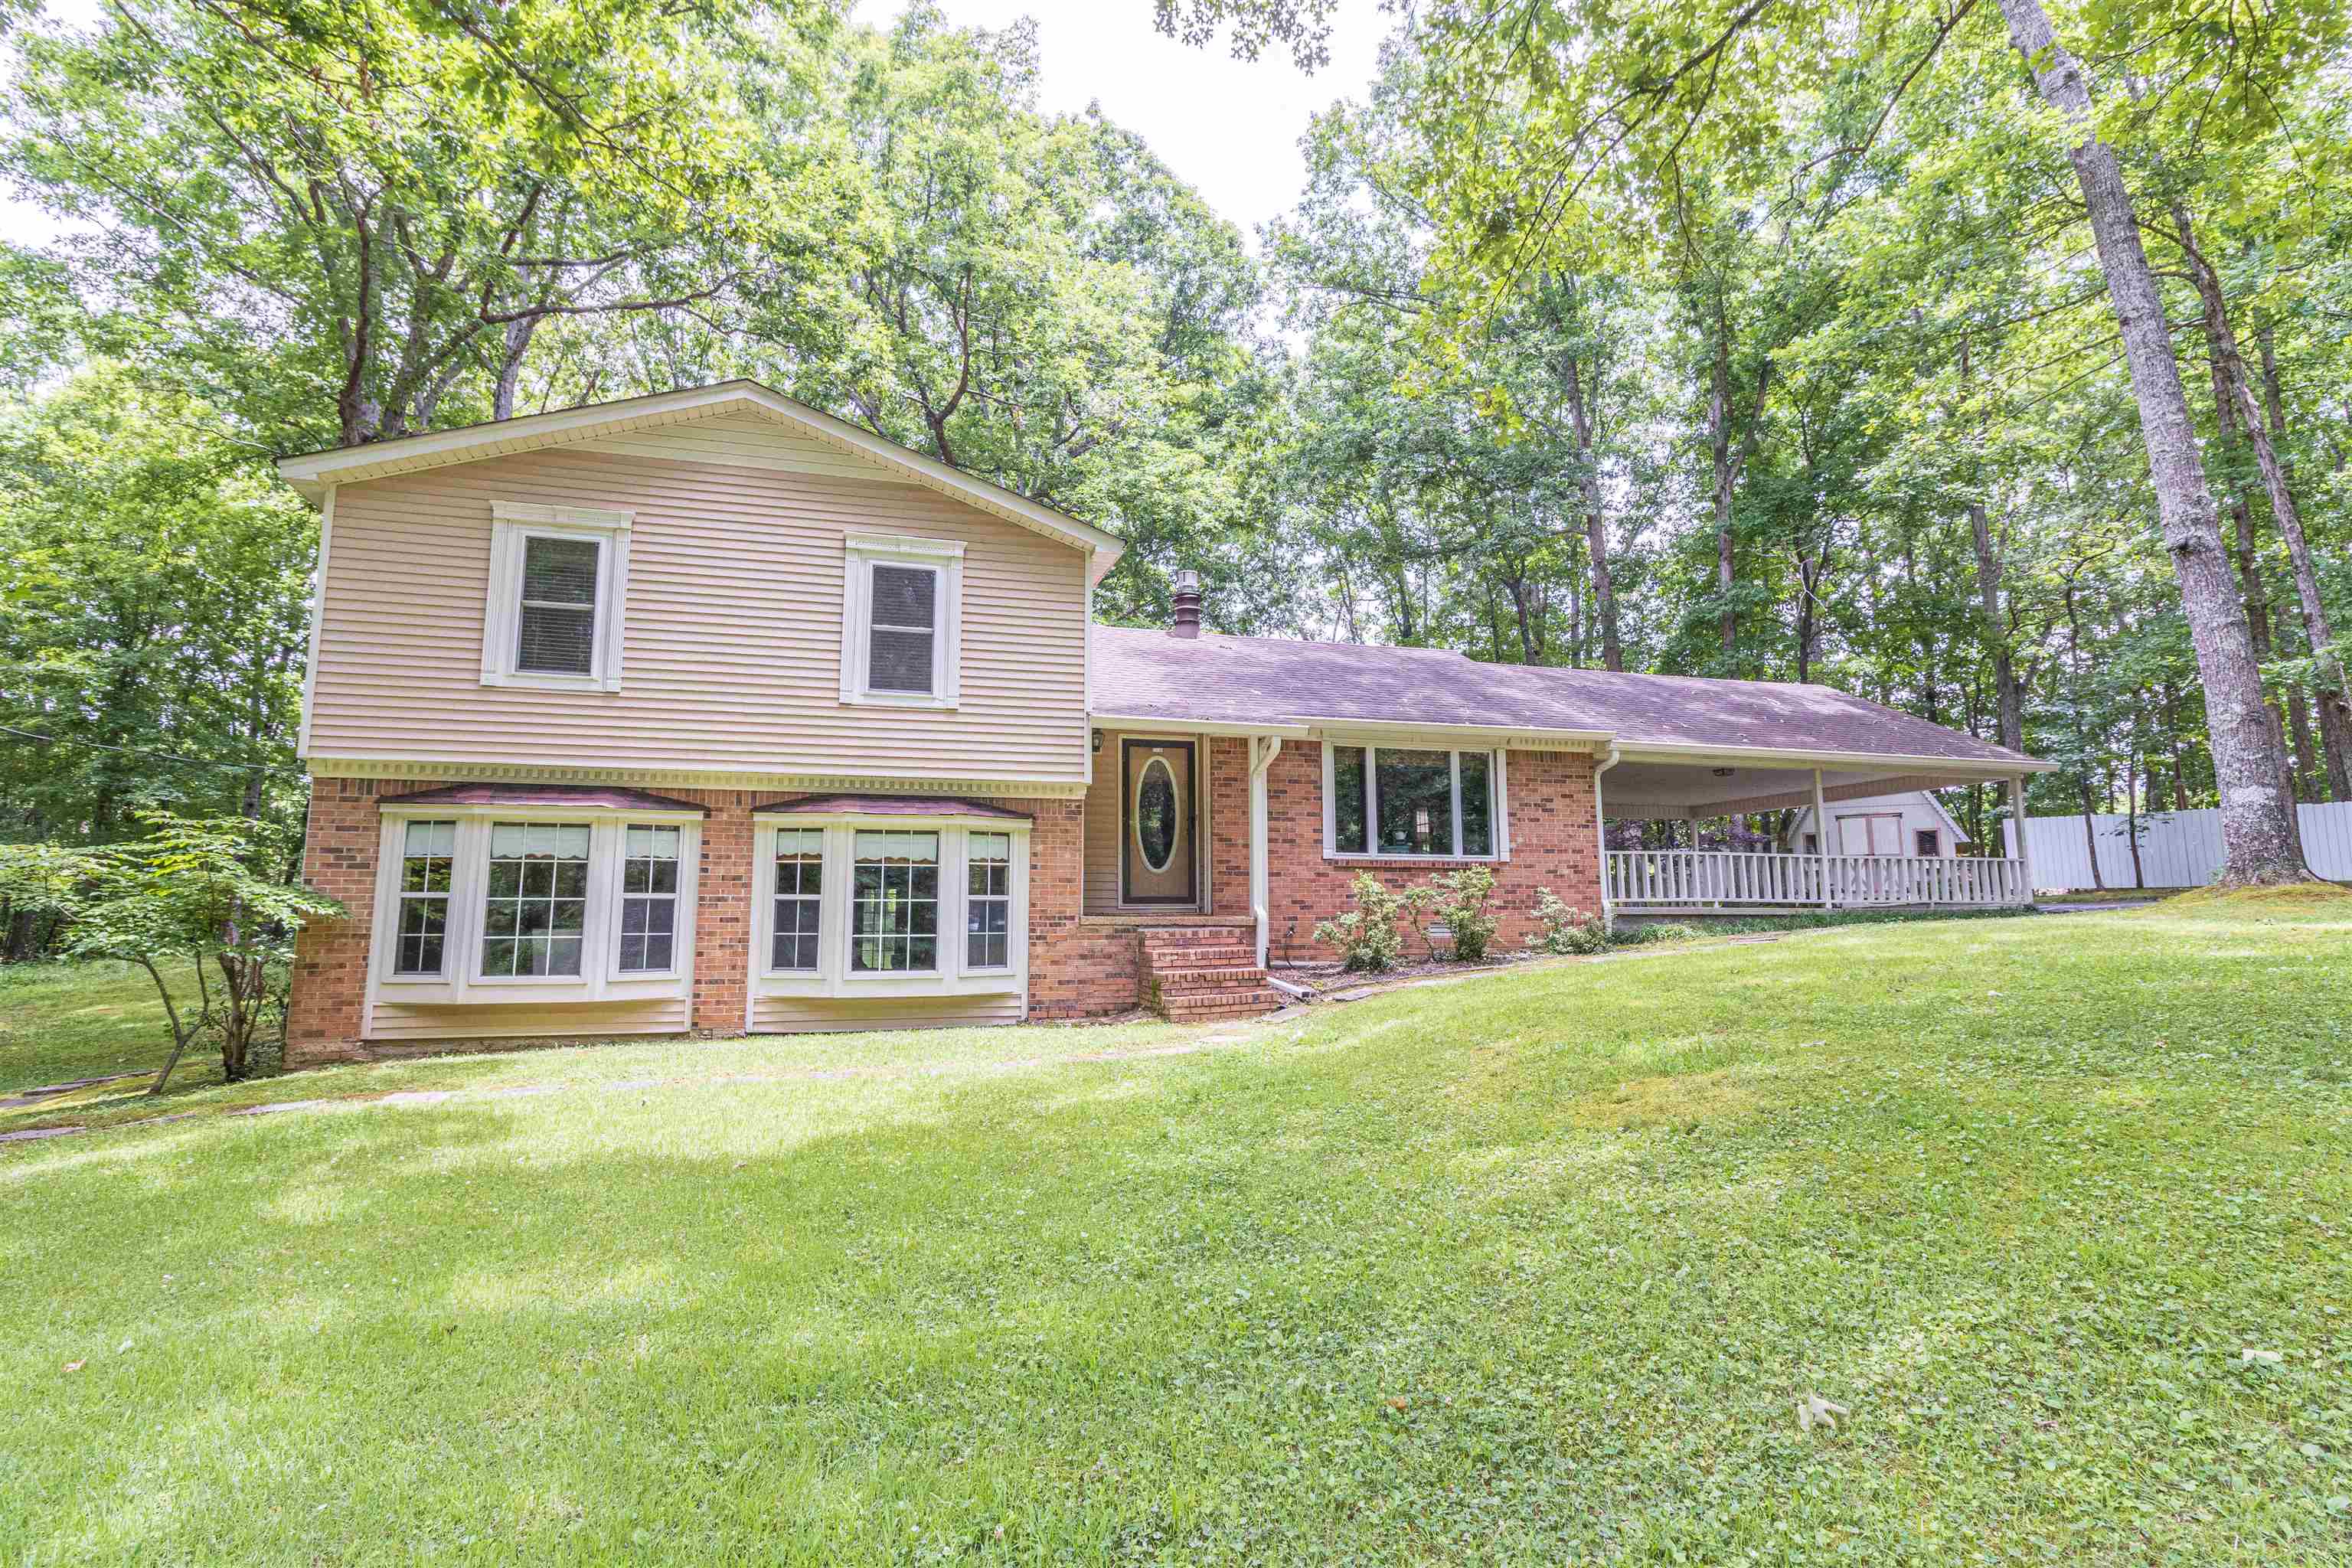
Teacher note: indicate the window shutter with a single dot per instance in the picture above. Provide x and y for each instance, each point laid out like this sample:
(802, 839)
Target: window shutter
(557, 626)
(903, 628)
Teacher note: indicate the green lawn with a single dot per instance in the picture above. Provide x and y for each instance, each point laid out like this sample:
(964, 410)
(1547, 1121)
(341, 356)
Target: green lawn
(1530, 1269)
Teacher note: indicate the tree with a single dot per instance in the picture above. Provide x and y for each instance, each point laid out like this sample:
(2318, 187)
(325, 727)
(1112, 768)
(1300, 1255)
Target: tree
(153, 602)
(208, 893)
(386, 205)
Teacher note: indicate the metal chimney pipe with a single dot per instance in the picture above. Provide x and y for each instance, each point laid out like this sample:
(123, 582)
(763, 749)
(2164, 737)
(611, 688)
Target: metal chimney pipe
(1188, 606)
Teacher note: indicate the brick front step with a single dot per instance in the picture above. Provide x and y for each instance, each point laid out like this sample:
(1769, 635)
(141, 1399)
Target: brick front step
(1221, 977)
(1243, 1009)
(1234, 996)
(1200, 957)
(1189, 940)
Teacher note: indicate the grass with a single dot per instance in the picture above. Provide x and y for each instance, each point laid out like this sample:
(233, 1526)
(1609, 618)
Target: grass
(59, 1021)
(1532, 1267)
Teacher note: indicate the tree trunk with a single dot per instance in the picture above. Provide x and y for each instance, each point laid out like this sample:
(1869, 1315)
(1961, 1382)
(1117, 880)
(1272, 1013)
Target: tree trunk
(1596, 530)
(2131, 818)
(2257, 818)
(1719, 435)
(2335, 707)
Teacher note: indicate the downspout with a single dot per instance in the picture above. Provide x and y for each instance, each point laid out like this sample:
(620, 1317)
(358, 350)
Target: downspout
(1601, 837)
(1261, 754)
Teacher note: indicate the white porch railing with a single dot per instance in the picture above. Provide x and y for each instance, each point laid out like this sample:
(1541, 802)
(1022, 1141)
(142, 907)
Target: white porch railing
(1691, 877)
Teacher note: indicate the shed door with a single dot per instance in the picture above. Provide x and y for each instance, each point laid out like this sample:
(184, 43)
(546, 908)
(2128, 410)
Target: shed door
(1875, 834)
(1158, 855)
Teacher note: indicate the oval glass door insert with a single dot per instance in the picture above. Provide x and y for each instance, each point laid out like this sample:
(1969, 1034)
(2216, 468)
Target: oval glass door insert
(1155, 814)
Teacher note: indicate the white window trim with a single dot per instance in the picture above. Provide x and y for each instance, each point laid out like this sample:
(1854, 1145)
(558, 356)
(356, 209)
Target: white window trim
(1497, 774)
(512, 523)
(601, 978)
(833, 976)
(862, 553)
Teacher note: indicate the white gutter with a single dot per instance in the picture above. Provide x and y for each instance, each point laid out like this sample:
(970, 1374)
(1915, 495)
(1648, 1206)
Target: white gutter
(1601, 831)
(1993, 767)
(1262, 749)
(1133, 723)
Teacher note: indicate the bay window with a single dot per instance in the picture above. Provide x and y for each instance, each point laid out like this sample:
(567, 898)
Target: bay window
(1408, 801)
(533, 903)
(427, 852)
(800, 894)
(895, 903)
(988, 903)
(855, 904)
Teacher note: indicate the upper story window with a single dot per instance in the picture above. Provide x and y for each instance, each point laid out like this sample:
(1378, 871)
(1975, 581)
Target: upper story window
(558, 580)
(901, 616)
(1397, 802)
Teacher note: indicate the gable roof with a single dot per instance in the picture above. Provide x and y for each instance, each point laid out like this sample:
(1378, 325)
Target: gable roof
(313, 472)
(1147, 674)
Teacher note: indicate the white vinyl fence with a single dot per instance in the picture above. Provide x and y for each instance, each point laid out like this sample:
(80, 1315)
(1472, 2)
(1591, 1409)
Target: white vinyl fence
(2177, 848)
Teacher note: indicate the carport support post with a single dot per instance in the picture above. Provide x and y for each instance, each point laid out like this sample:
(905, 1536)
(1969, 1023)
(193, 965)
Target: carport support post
(1821, 839)
(2017, 832)
(1262, 750)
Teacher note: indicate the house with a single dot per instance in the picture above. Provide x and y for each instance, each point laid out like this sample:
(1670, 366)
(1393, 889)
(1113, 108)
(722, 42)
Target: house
(705, 712)
(1911, 822)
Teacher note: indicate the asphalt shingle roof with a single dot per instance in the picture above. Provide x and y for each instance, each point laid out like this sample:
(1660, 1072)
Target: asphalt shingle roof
(1144, 673)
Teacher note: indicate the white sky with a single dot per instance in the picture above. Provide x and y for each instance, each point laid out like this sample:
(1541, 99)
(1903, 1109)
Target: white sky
(1230, 129)
(1228, 126)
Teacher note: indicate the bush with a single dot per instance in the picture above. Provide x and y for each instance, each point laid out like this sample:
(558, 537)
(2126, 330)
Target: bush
(1461, 900)
(1634, 936)
(1566, 928)
(1367, 935)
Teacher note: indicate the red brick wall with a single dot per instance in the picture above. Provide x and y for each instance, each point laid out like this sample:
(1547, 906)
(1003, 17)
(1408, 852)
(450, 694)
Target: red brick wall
(1077, 967)
(1555, 843)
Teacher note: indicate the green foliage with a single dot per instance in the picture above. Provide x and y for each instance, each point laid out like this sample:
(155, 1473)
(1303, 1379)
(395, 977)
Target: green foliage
(1464, 900)
(1567, 929)
(202, 893)
(154, 599)
(1367, 935)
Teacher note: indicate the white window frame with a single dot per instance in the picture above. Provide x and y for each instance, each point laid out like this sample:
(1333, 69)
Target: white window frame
(511, 524)
(944, 559)
(833, 976)
(601, 978)
(1497, 762)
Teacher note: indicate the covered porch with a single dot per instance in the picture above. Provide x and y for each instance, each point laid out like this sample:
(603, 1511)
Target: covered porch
(1763, 791)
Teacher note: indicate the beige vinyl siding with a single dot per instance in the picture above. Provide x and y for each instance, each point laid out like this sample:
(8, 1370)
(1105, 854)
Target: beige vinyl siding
(799, 1015)
(526, 1020)
(733, 650)
(744, 440)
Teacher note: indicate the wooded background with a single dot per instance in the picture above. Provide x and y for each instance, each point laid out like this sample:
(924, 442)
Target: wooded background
(1770, 340)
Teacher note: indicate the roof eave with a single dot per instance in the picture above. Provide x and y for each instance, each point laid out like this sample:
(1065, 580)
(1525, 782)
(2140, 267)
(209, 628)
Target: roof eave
(1969, 767)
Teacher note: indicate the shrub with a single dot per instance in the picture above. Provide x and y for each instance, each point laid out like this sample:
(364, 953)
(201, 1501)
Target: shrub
(1367, 935)
(1566, 928)
(1461, 900)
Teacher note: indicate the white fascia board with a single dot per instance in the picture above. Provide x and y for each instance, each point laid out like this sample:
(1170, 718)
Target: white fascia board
(311, 472)
(1961, 769)
(1130, 723)
(1507, 736)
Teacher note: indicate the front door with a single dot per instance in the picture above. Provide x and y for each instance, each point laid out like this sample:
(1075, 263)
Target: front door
(1159, 858)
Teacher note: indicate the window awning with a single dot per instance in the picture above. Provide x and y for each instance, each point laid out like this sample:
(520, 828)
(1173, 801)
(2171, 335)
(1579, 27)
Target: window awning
(886, 805)
(583, 797)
